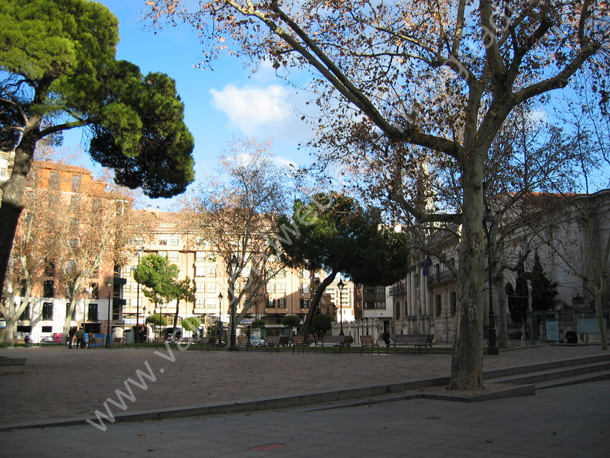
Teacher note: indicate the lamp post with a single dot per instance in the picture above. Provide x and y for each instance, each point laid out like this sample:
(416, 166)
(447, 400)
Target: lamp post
(341, 285)
(232, 269)
(492, 348)
(109, 286)
(219, 324)
(138, 294)
(143, 340)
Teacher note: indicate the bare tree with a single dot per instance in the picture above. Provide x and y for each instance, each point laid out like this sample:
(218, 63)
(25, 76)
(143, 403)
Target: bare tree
(235, 211)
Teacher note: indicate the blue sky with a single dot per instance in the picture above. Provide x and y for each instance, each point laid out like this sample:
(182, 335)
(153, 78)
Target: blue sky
(229, 101)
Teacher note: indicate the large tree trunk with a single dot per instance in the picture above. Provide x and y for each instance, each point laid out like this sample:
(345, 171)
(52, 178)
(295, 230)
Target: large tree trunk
(12, 194)
(467, 358)
(313, 306)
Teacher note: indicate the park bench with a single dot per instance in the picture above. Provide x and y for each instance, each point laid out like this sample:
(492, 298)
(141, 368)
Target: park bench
(242, 341)
(416, 340)
(159, 342)
(299, 341)
(207, 342)
(119, 341)
(275, 341)
(336, 342)
(368, 342)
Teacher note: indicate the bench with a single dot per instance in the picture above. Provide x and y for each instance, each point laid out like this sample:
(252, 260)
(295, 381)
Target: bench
(417, 340)
(242, 341)
(275, 341)
(95, 342)
(209, 341)
(336, 341)
(299, 341)
(159, 342)
(119, 341)
(368, 342)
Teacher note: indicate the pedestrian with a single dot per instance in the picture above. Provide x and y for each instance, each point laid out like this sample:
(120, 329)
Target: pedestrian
(28, 341)
(71, 334)
(386, 338)
(80, 338)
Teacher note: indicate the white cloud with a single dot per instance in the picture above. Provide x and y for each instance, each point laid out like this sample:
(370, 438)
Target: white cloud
(249, 109)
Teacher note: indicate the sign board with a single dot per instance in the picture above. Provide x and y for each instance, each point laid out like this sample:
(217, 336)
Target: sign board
(588, 326)
(552, 330)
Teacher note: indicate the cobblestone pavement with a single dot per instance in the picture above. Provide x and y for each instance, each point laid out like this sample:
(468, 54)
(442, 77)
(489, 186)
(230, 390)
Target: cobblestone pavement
(62, 383)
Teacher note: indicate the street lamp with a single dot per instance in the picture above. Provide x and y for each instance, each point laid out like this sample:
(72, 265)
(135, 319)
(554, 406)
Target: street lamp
(109, 286)
(219, 324)
(341, 285)
(232, 269)
(492, 348)
(143, 340)
(138, 294)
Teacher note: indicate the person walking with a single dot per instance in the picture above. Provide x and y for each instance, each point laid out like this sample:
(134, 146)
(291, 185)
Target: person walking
(71, 334)
(80, 338)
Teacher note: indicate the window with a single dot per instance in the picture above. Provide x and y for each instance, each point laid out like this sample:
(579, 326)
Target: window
(397, 310)
(47, 310)
(95, 291)
(305, 273)
(200, 287)
(48, 288)
(305, 288)
(174, 241)
(304, 303)
(374, 305)
(212, 272)
(49, 269)
(92, 312)
(281, 273)
(200, 256)
(211, 257)
(281, 287)
(74, 223)
(47, 329)
(271, 287)
(76, 183)
(199, 271)
(73, 243)
(162, 253)
(75, 203)
(162, 241)
(271, 304)
(210, 303)
(438, 304)
(452, 303)
(173, 256)
(127, 287)
(200, 303)
(211, 287)
(281, 303)
(54, 181)
(25, 315)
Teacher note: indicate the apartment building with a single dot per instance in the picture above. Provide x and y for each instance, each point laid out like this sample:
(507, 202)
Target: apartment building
(64, 209)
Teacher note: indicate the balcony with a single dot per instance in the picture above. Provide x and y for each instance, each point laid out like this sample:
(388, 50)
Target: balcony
(441, 278)
(395, 290)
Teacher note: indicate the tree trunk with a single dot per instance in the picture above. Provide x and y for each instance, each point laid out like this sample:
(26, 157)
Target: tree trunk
(12, 194)
(467, 358)
(600, 319)
(502, 331)
(313, 306)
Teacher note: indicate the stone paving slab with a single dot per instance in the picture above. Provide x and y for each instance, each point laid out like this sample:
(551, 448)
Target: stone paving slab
(61, 383)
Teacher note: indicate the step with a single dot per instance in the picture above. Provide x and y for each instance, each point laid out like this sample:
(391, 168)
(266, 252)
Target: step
(583, 378)
(495, 373)
(539, 376)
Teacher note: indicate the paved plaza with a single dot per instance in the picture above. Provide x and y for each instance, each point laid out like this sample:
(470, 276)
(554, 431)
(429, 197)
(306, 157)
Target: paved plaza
(60, 383)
